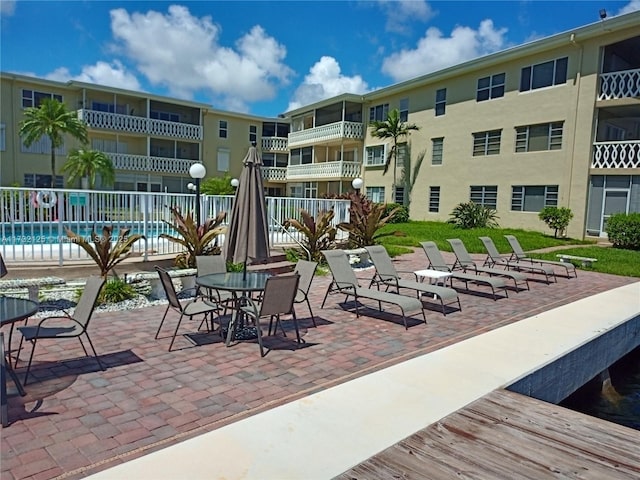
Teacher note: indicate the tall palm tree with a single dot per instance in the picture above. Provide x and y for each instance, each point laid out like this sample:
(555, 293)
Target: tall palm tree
(52, 119)
(88, 163)
(395, 129)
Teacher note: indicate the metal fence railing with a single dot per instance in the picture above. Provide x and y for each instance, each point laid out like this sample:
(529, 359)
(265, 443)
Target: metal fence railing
(34, 222)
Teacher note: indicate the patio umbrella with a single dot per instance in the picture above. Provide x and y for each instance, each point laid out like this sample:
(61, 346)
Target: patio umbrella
(248, 232)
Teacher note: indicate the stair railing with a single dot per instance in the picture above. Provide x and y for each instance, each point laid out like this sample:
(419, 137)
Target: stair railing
(295, 240)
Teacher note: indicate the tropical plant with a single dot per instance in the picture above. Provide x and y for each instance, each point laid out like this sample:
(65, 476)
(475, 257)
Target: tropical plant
(556, 218)
(196, 239)
(51, 119)
(473, 215)
(103, 251)
(401, 215)
(83, 163)
(623, 230)
(318, 234)
(366, 218)
(395, 129)
(116, 290)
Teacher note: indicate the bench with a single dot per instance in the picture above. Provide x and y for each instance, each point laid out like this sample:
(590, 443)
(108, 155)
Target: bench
(187, 276)
(585, 261)
(32, 285)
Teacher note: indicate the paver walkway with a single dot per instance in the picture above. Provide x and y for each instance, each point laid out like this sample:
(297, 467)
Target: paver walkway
(77, 419)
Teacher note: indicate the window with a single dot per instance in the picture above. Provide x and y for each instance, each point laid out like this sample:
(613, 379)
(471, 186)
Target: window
(310, 189)
(155, 114)
(533, 198)
(270, 159)
(404, 109)
(544, 75)
(222, 129)
(490, 87)
(437, 147)
(253, 134)
(34, 180)
(3, 137)
(31, 98)
(273, 191)
(379, 113)
(301, 156)
(223, 159)
(534, 138)
(375, 194)
(484, 195)
(434, 199)
(375, 155)
(441, 101)
(486, 143)
(398, 196)
(43, 146)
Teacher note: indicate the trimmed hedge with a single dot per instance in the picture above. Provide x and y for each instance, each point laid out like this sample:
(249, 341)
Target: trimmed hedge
(624, 230)
(401, 216)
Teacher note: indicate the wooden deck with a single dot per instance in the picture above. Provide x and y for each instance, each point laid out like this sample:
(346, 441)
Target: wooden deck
(506, 435)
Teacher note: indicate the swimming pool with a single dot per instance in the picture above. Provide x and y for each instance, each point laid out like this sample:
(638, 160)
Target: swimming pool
(40, 234)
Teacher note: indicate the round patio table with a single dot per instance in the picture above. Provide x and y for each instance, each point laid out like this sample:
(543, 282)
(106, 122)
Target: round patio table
(13, 310)
(241, 285)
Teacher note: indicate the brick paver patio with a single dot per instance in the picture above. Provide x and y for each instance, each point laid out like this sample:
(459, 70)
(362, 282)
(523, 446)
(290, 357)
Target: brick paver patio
(77, 419)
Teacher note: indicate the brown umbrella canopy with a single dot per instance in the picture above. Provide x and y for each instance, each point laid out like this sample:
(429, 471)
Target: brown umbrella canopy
(247, 237)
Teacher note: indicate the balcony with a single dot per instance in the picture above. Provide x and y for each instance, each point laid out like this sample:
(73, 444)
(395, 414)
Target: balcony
(327, 133)
(145, 163)
(275, 144)
(324, 170)
(274, 174)
(140, 125)
(616, 155)
(616, 85)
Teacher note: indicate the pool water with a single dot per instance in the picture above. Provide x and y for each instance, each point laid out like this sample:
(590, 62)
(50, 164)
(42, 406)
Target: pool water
(623, 409)
(48, 236)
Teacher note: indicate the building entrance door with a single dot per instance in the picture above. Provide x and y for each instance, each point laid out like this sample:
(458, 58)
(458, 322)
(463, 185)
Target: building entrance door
(614, 201)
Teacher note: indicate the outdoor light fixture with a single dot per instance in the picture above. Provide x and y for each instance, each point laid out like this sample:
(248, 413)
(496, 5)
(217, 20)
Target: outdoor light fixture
(197, 172)
(235, 182)
(191, 186)
(356, 183)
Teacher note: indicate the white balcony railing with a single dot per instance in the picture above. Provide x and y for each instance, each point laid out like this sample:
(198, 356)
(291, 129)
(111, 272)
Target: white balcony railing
(624, 84)
(133, 124)
(323, 133)
(616, 155)
(274, 174)
(145, 163)
(324, 170)
(277, 144)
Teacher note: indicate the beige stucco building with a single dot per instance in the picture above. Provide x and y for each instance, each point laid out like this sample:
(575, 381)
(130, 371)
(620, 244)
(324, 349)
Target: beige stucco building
(552, 122)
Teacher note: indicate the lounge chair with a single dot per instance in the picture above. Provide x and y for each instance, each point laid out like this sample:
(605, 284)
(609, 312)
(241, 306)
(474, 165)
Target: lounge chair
(306, 269)
(519, 255)
(386, 274)
(345, 282)
(437, 262)
(466, 263)
(496, 258)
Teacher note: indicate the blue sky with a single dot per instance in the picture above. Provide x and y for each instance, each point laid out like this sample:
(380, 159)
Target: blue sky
(267, 57)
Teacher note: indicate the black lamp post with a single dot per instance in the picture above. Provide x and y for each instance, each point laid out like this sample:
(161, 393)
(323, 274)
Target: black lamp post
(197, 172)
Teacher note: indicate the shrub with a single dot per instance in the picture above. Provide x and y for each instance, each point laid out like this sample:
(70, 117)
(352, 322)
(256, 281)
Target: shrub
(472, 215)
(319, 235)
(624, 230)
(366, 220)
(556, 218)
(116, 290)
(401, 215)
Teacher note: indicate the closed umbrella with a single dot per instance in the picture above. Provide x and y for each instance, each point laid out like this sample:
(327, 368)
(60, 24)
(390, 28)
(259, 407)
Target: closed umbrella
(248, 233)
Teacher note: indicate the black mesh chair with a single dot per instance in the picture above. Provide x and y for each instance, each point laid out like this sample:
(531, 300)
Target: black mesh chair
(306, 270)
(191, 308)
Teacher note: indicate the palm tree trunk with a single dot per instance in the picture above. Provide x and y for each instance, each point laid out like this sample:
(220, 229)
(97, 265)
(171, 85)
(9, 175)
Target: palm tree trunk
(53, 165)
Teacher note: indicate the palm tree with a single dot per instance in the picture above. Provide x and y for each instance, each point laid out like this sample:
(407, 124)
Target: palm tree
(393, 128)
(87, 163)
(52, 119)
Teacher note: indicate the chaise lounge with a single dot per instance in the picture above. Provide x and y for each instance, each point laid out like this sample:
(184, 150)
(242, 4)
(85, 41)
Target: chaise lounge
(495, 258)
(437, 262)
(386, 274)
(465, 262)
(345, 282)
(519, 255)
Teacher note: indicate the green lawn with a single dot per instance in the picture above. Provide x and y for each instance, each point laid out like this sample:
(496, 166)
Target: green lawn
(610, 260)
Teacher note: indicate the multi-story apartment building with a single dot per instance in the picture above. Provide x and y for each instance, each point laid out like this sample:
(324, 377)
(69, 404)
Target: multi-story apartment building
(554, 122)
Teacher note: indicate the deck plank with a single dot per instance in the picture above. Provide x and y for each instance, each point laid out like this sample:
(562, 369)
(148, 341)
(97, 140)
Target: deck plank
(506, 435)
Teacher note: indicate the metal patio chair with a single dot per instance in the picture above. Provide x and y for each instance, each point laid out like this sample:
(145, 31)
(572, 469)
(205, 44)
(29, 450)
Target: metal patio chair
(306, 269)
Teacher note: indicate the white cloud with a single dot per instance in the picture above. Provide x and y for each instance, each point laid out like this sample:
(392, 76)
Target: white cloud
(435, 52)
(325, 80)
(632, 6)
(400, 12)
(7, 7)
(181, 52)
(102, 73)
